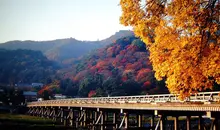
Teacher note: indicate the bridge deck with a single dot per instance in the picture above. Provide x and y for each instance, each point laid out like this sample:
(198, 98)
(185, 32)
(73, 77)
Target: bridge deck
(206, 101)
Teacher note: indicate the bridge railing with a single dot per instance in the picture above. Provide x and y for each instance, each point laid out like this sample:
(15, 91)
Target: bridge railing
(199, 97)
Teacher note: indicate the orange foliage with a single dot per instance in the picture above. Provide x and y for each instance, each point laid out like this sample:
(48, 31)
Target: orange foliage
(49, 87)
(183, 39)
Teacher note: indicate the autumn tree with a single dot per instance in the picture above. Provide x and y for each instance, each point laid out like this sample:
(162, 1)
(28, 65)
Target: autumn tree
(183, 39)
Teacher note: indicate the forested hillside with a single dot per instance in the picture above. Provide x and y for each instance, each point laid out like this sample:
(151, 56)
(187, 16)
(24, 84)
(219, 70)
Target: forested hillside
(121, 68)
(25, 66)
(64, 51)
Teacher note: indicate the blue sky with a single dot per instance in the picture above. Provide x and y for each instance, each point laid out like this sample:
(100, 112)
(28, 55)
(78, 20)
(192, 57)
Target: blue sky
(55, 19)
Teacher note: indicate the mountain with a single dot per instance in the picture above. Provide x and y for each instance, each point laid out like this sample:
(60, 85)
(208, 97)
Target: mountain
(120, 68)
(25, 66)
(64, 50)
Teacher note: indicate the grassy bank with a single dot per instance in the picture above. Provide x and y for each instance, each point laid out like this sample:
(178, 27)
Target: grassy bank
(25, 122)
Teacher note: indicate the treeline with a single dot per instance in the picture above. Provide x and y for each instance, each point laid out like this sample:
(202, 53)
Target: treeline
(11, 96)
(25, 66)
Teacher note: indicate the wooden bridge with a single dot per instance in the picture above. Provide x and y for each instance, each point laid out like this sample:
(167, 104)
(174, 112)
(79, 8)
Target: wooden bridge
(132, 112)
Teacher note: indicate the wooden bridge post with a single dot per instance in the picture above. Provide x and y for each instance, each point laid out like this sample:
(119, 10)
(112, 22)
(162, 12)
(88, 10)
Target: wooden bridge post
(95, 119)
(35, 110)
(95, 116)
(61, 115)
(53, 114)
(200, 123)
(64, 116)
(41, 111)
(102, 120)
(70, 117)
(139, 120)
(80, 116)
(77, 119)
(44, 110)
(126, 120)
(49, 110)
(90, 118)
(215, 117)
(215, 123)
(188, 123)
(115, 120)
(66, 112)
(30, 110)
(152, 121)
(106, 116)
(162, 122)
(84, 118)
(176, 123)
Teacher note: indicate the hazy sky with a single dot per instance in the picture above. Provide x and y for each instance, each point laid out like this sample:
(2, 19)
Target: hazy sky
(54, 19)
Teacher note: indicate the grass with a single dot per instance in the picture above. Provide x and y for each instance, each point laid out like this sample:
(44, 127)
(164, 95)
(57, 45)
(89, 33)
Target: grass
(24, 119)
(25, 122)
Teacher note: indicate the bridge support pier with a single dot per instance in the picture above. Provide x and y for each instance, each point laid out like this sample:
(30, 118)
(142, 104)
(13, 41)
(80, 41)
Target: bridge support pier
(102, 120)
(115, 125)
(70, 117)
(152, 121)
(176, 123)
(61, 115)
(53, 114)
(40, 112)
(215, 117)
(188, 123)
(95, 116)
(126, 120)
(200, 123)
(139, 120)
(162, 122)
(84, 119)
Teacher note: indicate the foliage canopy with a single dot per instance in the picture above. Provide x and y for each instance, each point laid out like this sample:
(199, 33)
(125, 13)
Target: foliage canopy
(183, 39)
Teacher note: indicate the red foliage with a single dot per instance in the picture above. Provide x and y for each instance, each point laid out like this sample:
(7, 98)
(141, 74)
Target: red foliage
(122, 52)
(45, 88)
(147, 83)
(91, 93)
(123, 60)
(102, 64)
(124, 78)
(143, 75)
(132, 48)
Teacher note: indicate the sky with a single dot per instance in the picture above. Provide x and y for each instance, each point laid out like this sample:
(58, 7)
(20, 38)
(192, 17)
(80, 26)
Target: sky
(41, 20)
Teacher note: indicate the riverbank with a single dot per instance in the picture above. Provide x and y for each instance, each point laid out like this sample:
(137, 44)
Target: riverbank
(25, 122)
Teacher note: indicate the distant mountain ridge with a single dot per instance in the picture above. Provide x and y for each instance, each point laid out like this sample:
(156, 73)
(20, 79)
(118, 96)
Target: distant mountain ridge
(64, 49)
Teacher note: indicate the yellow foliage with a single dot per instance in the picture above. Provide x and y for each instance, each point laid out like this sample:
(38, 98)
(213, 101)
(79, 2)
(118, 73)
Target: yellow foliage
(183, 37)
